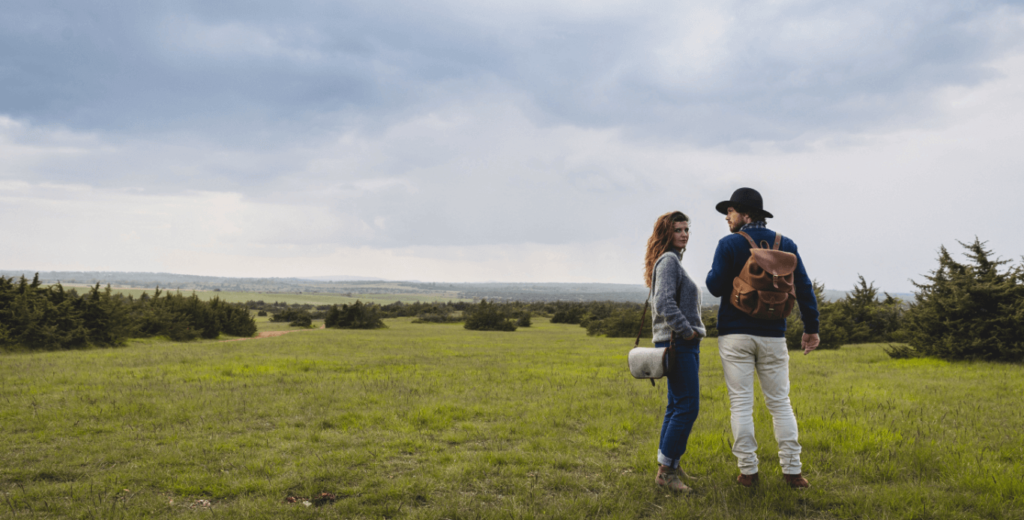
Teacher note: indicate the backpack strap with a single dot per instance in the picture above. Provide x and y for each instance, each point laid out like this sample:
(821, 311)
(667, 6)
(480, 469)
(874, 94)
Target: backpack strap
(753, 245)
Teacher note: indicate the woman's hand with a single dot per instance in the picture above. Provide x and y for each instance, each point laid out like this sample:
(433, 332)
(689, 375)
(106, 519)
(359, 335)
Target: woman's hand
(693, 335)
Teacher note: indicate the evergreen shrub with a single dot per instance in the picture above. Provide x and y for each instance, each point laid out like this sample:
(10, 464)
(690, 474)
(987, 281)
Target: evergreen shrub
(430, 317)
(572, 314)
(488, 316)
(709, 315)
(33, 317)
(304, 320)
(523, 320)
(622, 323)
(355, 316)
(967, 311)
(831, 329)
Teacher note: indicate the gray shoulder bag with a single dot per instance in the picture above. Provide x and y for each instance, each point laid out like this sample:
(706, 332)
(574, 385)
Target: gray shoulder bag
(649, 362)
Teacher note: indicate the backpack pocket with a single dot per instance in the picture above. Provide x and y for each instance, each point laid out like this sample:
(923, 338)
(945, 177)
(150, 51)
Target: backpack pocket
(772, 305)
(765, 305)
(744, 296)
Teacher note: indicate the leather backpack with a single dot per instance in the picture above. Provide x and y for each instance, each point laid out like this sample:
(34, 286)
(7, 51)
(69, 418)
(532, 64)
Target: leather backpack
(764, 288)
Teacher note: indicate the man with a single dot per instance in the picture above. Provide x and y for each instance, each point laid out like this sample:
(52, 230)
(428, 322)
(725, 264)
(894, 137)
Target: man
(747, 345)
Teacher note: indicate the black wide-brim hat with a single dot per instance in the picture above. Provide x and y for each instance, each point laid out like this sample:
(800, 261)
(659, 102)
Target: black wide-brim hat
(746, 198)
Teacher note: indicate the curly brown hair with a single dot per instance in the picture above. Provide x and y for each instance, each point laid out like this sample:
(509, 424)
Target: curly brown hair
(660, 241)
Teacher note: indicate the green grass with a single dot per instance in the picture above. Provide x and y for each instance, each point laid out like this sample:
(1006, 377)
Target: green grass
(300, 298)
(434, 421)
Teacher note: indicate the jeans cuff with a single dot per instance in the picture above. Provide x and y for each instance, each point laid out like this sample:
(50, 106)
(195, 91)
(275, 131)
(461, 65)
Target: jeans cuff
(665, 461)
(791, 469)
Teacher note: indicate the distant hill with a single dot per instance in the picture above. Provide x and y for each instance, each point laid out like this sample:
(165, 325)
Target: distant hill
(187, 282)
(341, 278)
(477, 291)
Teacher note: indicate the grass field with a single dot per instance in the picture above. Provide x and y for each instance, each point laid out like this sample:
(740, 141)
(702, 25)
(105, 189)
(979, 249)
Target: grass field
(434, 421)
(300, 298)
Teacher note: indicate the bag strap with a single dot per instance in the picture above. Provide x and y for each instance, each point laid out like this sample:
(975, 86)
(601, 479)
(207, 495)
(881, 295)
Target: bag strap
(640, 326)
(753, 245)
(669, 353)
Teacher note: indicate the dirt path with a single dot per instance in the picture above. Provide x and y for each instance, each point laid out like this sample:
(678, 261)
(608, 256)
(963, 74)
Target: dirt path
(269, 334)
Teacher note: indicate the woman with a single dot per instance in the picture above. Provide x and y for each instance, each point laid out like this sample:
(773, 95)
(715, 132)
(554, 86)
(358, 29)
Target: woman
(676, 316)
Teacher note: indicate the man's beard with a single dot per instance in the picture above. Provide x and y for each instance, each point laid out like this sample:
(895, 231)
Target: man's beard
(735, 227)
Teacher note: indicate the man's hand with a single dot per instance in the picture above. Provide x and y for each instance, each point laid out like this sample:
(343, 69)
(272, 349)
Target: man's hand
(693, 334)
(810, 342)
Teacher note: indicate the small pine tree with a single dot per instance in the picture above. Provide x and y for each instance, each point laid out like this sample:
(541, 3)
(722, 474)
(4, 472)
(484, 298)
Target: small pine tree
(856, 312)
(866, 318)
(304, 320)
(523, 320)
(233, 318)
(968, 311)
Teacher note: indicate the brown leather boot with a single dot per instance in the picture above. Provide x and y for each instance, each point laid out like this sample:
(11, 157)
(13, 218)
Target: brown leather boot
(748, 480)
(669, 478)
(796, 481)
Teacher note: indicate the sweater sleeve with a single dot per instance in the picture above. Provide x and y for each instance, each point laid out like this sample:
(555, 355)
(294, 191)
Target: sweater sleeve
(667, 278)
(719, 281)
(805, 296)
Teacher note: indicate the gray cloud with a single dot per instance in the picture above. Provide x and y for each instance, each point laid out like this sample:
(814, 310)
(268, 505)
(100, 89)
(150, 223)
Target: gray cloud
(257, 72)
(306, 126)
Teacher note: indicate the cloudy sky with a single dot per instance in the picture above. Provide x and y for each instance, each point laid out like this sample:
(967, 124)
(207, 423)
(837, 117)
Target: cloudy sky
(528, 141)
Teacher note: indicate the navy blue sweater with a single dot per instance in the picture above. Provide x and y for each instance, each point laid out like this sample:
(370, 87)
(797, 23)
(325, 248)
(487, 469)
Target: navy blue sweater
(732, 253)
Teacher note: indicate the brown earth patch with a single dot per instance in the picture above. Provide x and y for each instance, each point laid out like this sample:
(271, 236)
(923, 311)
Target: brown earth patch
(267, 334)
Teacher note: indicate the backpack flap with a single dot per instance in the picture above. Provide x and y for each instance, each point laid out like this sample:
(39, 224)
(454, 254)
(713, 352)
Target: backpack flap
(778, 267)
(779, 263)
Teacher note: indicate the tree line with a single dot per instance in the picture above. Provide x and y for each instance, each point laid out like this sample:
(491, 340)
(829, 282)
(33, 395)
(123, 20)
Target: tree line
(598, 317)
(971, 310)
(34, 317)
(358, 315)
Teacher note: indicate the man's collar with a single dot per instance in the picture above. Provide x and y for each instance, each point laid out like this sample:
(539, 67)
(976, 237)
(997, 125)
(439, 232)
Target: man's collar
(760, 224)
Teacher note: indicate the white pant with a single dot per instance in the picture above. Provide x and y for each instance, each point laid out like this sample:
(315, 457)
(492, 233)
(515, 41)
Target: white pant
(741, 355)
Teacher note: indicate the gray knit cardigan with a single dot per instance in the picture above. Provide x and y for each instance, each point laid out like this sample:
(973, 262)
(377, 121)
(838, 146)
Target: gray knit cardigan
(676, 301)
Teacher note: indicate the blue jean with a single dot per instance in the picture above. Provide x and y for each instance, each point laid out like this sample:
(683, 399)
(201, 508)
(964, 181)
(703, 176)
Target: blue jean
(683, 401)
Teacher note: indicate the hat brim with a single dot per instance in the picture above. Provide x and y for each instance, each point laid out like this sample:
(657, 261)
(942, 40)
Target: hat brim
(723, 208)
